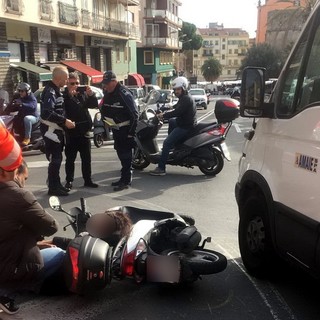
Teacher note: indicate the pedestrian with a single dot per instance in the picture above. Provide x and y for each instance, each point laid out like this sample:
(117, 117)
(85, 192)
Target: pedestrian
(22, 223)
(182, 119)
(76, 104)
(53, 123)
(120, 112)
(27, 112)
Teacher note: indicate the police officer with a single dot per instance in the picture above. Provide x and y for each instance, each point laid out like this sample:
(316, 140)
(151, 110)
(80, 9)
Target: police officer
(120, 112)
(53, 122)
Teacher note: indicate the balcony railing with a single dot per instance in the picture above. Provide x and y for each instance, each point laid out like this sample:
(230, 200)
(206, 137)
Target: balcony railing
(162, 42)
(68, 14)
(46, 10)
(164, 14)
(125, 2)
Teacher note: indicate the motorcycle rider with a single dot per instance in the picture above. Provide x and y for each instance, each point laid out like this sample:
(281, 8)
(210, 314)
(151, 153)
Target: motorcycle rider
(27, 112)
(182, 119)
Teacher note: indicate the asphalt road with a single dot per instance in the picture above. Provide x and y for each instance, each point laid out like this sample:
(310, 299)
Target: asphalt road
(231, 294)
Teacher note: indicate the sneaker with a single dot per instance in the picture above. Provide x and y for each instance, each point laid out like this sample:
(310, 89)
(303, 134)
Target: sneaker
(158, 172)
(90, 184)
(25, 141)
(68, 186)
(121, 187)
(8, 305)
(57, 192)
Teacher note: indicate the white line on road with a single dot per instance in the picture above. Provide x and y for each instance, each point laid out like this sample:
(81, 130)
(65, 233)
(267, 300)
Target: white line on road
(237, 127)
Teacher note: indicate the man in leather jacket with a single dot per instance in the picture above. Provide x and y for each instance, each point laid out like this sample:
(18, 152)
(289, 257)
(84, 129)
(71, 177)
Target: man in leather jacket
(182, 120)
(76, 105)
(53, 122)
(22, 223)
(120, 112)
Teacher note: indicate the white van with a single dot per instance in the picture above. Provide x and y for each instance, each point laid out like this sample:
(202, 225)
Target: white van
(278, 189)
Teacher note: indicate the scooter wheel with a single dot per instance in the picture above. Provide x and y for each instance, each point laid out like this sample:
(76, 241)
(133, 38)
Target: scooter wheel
(139, 161)
(215, 168)
(98, 140)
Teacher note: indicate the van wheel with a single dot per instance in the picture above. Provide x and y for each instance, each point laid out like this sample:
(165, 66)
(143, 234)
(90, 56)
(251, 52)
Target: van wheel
(256, 248)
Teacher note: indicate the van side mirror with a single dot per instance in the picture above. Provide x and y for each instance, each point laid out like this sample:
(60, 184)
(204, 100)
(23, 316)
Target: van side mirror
(252, 94)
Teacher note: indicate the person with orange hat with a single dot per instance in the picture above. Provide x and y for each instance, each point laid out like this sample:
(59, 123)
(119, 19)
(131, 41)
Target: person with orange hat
(22, 222)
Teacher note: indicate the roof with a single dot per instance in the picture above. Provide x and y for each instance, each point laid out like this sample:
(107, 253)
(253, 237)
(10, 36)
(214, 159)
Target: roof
(42, 74)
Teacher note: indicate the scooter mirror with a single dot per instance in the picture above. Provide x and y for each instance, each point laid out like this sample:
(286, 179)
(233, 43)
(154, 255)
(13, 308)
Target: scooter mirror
(55, 204)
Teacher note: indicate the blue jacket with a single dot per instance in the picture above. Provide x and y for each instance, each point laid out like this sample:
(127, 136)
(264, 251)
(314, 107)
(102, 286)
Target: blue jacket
(28, 105)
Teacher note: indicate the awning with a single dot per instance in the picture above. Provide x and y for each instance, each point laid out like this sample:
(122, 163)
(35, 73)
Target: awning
(136, 79)
(42, 74)
(51, 66)
(96, 75)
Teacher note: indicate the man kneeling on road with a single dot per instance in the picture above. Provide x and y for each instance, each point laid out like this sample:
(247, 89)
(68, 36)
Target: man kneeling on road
(182, 119)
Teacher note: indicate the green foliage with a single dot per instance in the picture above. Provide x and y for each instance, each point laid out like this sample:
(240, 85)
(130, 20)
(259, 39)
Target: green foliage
(264, 55)
(188, 36)
(211, 69)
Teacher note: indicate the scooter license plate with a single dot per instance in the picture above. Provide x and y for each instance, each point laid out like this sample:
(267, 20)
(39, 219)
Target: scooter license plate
(225, 151)
(163, 269)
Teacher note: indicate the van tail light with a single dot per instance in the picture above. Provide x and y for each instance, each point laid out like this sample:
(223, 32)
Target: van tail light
(129, 258)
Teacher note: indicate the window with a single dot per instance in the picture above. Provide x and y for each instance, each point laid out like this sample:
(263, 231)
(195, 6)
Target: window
(223, 47)
(223, 57)
(148, 58)
(301, 85)
(230, 51)
(117, 54)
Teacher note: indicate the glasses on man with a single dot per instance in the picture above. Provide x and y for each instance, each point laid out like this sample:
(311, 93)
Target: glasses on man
(74, 83)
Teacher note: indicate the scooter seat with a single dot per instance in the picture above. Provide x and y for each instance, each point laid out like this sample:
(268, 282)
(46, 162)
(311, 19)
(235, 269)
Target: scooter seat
(199, 128)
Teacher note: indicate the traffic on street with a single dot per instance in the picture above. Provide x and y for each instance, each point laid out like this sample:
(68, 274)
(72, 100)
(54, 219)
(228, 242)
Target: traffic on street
(210, 200)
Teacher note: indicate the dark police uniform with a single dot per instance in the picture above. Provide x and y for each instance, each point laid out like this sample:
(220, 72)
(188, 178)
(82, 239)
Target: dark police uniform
(78, 139)
(119, 106)
(52, 109)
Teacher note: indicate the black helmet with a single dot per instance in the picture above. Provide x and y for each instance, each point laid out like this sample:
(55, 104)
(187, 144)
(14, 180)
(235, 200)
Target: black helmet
(23, 86)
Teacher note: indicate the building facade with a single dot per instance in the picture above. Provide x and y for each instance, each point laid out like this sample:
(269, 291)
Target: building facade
(89, 36)
(227, 45)
(160, 24)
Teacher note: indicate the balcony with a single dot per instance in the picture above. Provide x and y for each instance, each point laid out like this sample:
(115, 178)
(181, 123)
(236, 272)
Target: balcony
(68, 14)
(14, 6)
(46, 10)
(164, 15)
(126, 2)
(104, 24)
(207, 54)
(162, 42)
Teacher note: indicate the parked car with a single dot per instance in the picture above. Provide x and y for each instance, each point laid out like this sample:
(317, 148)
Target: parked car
(138, 95)
(200, 97)
(97, 91)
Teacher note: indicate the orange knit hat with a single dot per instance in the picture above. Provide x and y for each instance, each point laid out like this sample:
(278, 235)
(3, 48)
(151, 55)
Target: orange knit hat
(10, 151)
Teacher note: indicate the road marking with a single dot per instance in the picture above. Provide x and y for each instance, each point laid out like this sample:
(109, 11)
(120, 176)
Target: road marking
(237, 127)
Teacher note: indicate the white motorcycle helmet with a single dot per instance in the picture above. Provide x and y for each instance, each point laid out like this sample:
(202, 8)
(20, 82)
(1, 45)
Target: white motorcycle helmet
(180, 82)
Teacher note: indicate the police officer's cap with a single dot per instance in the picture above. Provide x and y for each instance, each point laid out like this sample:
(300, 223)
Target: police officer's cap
(108, 76)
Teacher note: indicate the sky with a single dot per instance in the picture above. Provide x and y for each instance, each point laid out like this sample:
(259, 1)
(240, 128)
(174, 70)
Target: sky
(230, 13)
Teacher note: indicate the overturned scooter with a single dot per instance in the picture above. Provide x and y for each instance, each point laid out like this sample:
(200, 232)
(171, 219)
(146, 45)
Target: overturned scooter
(161, 247)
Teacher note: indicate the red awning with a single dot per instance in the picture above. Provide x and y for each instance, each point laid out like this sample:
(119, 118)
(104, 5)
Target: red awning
(136, 79)
(95, 75)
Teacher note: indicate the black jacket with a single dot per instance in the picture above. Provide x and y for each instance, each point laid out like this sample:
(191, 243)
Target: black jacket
(120, 106)
(52, 107)
(185, 111)
(76, 109)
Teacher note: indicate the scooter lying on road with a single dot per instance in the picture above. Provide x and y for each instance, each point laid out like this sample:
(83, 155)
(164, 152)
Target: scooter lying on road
(204, 146)
(162, 247)
(36, 140)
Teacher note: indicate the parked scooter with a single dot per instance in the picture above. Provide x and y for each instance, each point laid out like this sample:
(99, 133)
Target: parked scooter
(36, 140)
(101, 131)
(204, 146)
(161, 247)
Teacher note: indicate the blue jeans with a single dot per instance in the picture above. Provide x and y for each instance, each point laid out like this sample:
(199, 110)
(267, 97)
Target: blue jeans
(175, 134)
(28, 122)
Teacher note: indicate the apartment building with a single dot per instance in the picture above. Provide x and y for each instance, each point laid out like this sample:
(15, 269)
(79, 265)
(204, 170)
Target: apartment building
(160, 24)
(89, 36)
(228, 45)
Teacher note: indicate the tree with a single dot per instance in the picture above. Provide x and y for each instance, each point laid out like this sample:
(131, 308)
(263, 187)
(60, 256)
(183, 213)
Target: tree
(211, 69)
(264, 55)
(189, 38)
